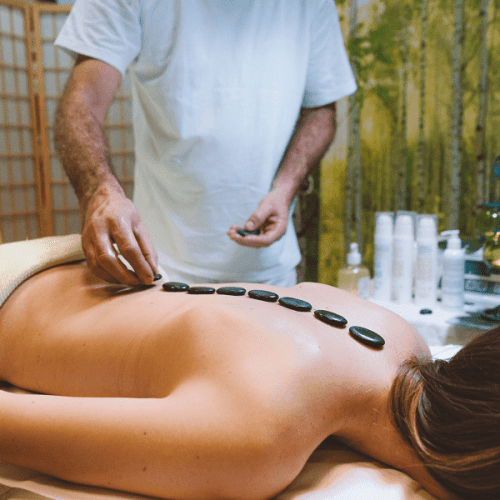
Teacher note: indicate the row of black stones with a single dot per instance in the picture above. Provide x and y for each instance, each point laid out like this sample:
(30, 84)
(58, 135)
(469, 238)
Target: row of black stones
(363, 335)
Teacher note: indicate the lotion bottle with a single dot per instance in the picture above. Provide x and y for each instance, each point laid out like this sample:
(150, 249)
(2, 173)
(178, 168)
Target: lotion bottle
(452, 284)
(354, 277)
(426, 262)
(402, 259)
(382, 261)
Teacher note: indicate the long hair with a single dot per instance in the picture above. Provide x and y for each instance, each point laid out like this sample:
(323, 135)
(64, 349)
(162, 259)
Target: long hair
(449, 412)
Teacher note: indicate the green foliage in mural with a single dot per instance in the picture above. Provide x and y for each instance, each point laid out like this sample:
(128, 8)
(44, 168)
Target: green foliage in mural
(377, 54)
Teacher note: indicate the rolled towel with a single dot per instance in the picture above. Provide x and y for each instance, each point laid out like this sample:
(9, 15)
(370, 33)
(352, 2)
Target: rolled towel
(22, 259)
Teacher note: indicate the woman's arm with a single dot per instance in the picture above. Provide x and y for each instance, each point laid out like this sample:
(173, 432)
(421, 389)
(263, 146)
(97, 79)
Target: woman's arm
(191, 444)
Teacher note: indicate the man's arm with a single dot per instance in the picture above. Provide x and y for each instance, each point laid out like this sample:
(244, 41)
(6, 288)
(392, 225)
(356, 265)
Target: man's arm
(313, 134)
(108, 215)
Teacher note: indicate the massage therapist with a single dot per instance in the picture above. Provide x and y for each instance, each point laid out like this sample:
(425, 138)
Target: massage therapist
(233, 104)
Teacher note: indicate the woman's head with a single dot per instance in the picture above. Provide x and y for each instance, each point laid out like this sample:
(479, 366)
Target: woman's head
(449, 411)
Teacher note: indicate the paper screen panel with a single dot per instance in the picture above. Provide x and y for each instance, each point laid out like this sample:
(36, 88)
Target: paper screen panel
(55, 69)
(18, 158)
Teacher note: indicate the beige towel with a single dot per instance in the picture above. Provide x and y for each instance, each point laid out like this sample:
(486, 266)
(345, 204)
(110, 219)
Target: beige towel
(22, 259)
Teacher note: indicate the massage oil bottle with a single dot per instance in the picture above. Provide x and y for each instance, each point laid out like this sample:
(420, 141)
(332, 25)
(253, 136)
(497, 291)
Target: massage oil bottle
(354, 277)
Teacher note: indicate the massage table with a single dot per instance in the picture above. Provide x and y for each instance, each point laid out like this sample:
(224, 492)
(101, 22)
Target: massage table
(333, 472)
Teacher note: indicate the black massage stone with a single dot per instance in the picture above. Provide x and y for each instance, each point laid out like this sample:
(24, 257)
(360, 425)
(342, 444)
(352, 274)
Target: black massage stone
(201, 290)
(367, 337)
(231, 290)
(295, 304)
(157, 277)
(330, 318)
(425, 311)
(263, 295)
(246, 232)
(175, 286)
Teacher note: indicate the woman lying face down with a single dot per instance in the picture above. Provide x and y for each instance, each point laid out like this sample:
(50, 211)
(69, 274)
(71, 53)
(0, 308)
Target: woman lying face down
(192, 396)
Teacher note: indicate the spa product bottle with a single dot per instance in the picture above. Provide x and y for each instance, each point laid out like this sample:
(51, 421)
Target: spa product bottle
(452, 285)
(427, 262)
(382, 261)
(354, 277)
(402, 259)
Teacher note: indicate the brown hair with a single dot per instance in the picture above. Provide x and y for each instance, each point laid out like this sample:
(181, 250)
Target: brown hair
(449, 412)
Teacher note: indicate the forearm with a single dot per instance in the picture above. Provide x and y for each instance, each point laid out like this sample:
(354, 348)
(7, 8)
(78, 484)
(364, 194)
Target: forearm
(162, 447)
(108, 216)
(95, 441)
(313, 134)
(82, 148)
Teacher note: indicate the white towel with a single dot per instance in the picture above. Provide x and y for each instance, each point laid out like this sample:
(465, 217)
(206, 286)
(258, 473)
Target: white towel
(22, 259)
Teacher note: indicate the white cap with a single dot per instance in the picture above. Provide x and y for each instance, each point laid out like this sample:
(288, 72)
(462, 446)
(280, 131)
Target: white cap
(426, 229)
(354, 257)
(404, 226)
(383, 225)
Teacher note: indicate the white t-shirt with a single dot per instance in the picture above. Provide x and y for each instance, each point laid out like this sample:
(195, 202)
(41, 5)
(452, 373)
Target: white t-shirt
(217, 87)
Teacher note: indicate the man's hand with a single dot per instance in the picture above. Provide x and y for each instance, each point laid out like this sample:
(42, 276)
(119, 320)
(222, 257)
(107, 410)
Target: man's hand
(313, 134)
(110, 218)
(270, 219)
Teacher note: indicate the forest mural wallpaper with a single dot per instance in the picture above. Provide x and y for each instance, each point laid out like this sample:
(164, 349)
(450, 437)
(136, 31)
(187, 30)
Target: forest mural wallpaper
(421, 133)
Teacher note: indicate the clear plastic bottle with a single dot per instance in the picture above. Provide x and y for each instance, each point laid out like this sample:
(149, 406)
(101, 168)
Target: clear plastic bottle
(354, 277)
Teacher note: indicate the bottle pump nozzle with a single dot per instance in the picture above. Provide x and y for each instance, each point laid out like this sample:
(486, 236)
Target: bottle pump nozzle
(354, 257)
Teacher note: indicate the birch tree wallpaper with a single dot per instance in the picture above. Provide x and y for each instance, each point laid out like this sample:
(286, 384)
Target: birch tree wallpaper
(422, 132)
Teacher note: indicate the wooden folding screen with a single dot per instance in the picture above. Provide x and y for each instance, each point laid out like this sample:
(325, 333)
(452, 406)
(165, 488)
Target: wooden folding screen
(36, 198)
(20, 183)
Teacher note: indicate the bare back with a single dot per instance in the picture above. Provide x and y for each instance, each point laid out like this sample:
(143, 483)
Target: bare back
(176, 334)
(278, 371)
